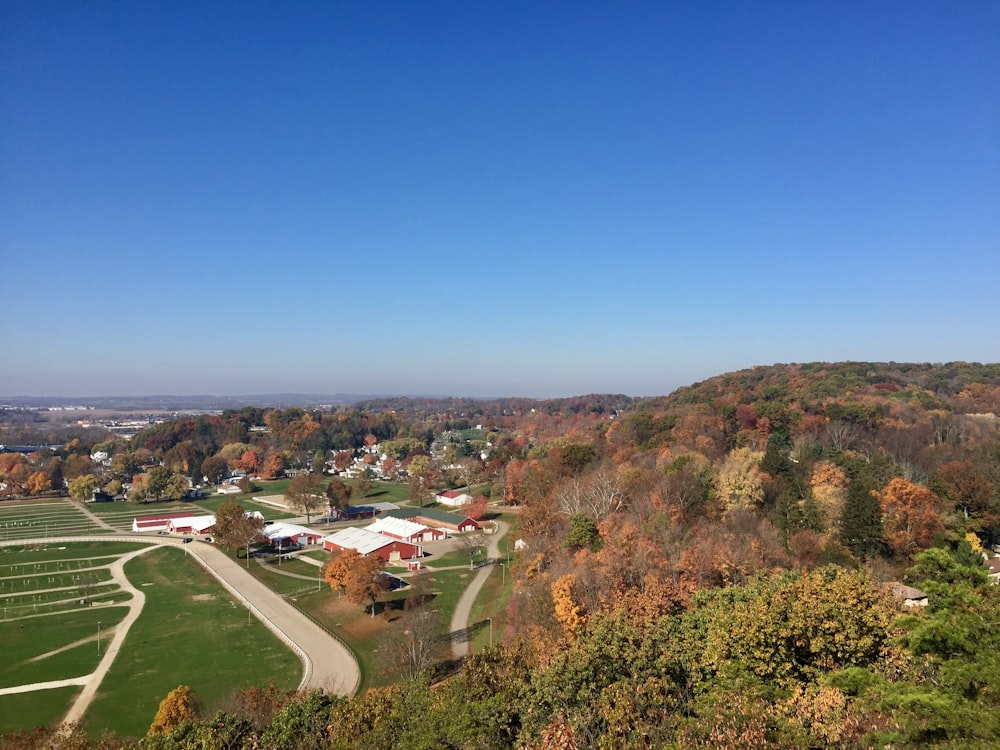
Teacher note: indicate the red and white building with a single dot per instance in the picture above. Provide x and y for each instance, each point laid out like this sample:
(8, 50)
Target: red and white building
(156, 522)
(280, 534)
(191, 524)
(407, 531)
(370, 543)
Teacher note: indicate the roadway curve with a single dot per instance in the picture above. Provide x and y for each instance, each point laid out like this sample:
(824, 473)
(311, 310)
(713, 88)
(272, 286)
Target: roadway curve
(327, 663)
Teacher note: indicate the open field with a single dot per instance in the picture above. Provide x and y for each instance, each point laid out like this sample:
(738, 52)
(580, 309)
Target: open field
(190, 633)
(54, 646)
(61, 608)
(37, 709)
(35, 519)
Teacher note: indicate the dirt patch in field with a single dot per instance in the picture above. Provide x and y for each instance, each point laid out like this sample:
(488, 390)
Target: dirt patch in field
(202, 597)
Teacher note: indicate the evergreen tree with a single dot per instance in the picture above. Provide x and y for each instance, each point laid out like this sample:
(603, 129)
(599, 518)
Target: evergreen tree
(861, 520)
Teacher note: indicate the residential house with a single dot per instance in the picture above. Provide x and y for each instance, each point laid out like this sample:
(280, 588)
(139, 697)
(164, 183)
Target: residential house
(907, 595)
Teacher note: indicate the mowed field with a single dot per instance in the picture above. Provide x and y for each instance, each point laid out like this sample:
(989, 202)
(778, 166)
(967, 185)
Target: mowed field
(41, 518)
(61, 608)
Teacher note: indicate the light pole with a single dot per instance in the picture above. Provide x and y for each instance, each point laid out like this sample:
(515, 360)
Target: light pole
(491, 631)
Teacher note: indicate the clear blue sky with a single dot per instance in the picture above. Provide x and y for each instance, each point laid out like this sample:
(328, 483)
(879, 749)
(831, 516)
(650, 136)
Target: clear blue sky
(508, 198)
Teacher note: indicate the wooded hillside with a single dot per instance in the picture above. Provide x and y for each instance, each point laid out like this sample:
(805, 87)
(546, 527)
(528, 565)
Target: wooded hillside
(712, 568)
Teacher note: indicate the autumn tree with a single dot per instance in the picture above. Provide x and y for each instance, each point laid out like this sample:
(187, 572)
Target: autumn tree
(911, 516)
(38, 483)
(342, 459)
(273, 466)
(366, 581)
(83, 488)
(234, 528)
(339, 568)
(304, 493)
(214, 468)
(739, 482)
(513, 482)
(476, 510)
(364, 482)
(178, 707)
(176, 487)
(249, 462)
(338, 494)
(970, 492)
(829, 490)
(568, 610)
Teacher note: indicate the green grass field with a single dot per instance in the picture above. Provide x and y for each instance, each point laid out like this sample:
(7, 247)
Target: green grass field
(41, 708)
(34, 518)
(54, 646)
(190, 633)
(58, 600)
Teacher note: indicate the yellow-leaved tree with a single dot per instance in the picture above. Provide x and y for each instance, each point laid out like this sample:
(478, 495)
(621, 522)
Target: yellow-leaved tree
(829, 486)
(568, 611)
(739, 481)
(179, 706)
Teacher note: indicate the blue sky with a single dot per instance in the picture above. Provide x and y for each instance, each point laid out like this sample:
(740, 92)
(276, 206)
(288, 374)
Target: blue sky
(517, 198)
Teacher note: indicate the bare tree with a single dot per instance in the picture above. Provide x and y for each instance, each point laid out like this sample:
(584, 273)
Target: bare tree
(597, 494)
(420, 646)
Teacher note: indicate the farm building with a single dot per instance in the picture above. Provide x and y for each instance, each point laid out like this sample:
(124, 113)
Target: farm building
(369, 543)
(355, 512)
(289, 534)
(408, 531)
(437, 519)
(191, 524)
(453, 498)
(155, 522)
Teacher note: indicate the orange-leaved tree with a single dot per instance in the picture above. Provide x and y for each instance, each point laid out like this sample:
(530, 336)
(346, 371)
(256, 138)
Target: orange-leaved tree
(911, 516)
(339, 568)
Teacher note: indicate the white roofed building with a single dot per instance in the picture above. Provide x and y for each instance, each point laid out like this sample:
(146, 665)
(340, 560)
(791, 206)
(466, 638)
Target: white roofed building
(367, 542)
(408, 531)
(288, 534)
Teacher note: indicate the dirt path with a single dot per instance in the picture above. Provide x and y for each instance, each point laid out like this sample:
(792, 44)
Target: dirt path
(460, 636)
(120, 631)
(94, 517)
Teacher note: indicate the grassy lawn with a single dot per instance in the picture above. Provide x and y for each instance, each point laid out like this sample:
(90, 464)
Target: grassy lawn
(491, 602)
(72, 554)
(456, 557)
(26, 519)
(190, 633)
(271, 573)
(54, 647)
(44, 707)
(270, 512)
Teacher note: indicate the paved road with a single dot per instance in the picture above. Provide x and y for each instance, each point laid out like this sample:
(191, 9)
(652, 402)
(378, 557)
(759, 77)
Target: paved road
(461, 642)
(327, 663)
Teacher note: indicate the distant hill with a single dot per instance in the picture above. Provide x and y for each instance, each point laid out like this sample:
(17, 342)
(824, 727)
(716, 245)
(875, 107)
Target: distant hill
(203, 403)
